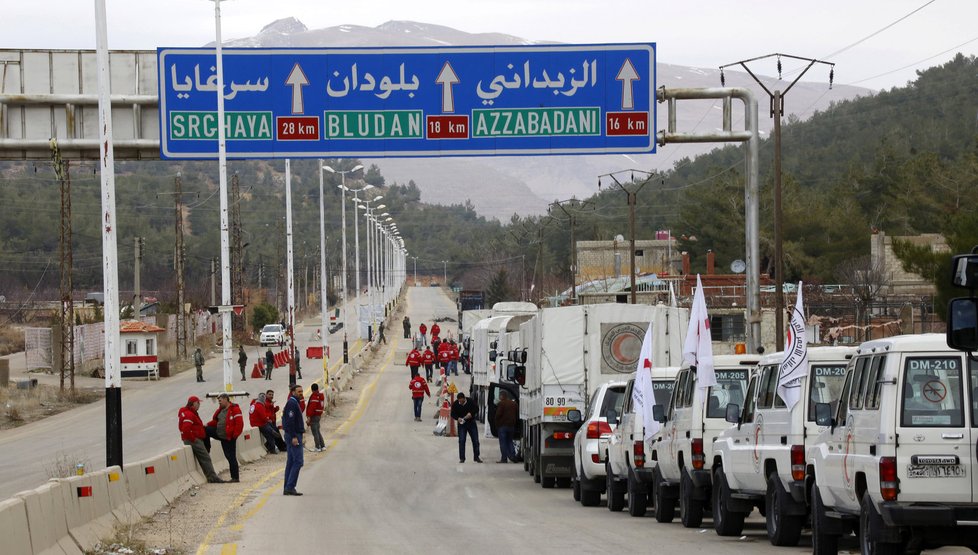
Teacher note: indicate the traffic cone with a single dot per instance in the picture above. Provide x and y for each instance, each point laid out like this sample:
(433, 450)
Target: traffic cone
(256, 372)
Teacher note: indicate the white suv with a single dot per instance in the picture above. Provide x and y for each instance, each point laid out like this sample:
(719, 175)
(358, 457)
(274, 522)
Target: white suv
(897, 462)
(691, 421)
(272, 334)
(588, 480)
(761, 461)
(629, 472)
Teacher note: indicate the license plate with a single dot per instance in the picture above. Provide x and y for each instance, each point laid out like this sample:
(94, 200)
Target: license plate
(935, 471)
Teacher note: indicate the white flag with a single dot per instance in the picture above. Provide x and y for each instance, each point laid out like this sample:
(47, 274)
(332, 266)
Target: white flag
(672, 297)
(698, 349)
(794, 367)
(642, 396)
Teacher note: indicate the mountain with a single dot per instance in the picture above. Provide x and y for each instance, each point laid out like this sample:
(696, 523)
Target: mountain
(501, 186)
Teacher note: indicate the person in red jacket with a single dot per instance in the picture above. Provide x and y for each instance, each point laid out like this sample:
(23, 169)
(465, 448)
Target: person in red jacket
(428, 359)
(435, 331)
(419, 388)
(444, 357)
(453, 353)
(193, 434)
(258, 418)
(314, 413)
(414, 361)
(226, 426)
(270, 413)
(423, 329)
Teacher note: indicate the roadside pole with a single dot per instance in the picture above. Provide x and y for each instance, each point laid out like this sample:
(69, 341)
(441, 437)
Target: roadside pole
(290, 300)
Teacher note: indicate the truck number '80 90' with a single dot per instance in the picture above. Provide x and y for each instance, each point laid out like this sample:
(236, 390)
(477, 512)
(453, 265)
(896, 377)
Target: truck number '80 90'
(554, 401)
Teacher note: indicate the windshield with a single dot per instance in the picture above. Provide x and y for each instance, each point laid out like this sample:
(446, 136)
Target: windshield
(662, 391)
(730, 388)
(826, 386)
(271, 328)
(932, 392)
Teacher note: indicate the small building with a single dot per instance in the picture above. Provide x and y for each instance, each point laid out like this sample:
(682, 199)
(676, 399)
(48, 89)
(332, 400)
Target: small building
(140, 355)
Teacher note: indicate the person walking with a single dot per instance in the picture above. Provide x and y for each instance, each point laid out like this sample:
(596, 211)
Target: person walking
(293, 428)
(199, 363)
(435, 331)
(464, 411)
(414, 361)
(407, 327)
(269, 363)
(419, 388)
(298, 368)
(193, 434)
(242, 361)
(314, 414)
(428, 359)
(453, 356)
(444, 358)
(380, 334)
(506, 414)
(435, 346)
(226, 425)
(423, 329)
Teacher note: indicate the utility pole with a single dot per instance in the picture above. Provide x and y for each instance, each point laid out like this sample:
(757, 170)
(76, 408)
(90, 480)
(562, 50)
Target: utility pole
(777, 112)
(261, 271)
(178, 264)
(213, 281)
(65, 257)
(137, 303)
(572, 219)
(632, 201)
(237, 280)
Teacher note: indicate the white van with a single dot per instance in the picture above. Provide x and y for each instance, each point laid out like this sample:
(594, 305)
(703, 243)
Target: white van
(897, 460)
(691, 421)
(760, 462)
(589, 455)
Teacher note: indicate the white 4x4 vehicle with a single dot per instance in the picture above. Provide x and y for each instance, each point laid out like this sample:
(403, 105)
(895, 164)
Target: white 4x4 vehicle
(588, 480)
(272, 334)
(761, 461)
(691, 421)
(628, 471)
(897, 461)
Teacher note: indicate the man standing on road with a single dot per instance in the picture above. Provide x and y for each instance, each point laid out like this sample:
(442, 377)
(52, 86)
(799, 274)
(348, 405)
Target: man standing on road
(506, 414)
(407, 327)
(269, 363)
(463, 412)
(298, 369)
(435, 331)
(314, 413)
(428, 359)
(423, 329)
(193, 434)
(199, 363)
(225, 427)
(293, 428)
(413, 361)
(419, 388)
(242, 361)
(380, 334)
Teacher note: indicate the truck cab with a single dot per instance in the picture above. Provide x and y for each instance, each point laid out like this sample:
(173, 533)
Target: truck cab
(896, 461)
(762, 457)
(691, 420)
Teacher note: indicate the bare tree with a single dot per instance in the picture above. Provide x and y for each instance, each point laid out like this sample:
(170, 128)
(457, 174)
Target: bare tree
(867, 278)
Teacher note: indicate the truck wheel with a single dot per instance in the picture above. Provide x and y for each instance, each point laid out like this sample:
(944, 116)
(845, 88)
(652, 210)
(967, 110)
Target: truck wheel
(868, 545)
(548, 481)
(614, 494)
(782, 529)
(822, 542)
(690, 510)
(725, 522)
(665, 509)
(590, 498)
(535, 470)
(638, 499)
(576, 486)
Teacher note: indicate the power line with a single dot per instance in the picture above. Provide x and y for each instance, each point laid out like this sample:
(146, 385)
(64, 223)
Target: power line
(873, 34)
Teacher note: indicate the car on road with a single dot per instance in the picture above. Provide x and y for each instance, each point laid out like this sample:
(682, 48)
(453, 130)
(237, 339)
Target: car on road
(588, 480)
(896, 462)
(272, 334)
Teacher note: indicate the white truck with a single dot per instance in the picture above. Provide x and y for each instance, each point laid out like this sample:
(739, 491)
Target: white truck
(897, 462)
(761, 460)
(571, 351)
(683, 450)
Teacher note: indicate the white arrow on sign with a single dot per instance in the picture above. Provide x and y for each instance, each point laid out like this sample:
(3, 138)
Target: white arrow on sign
(626, 75)
(297, 80)
(446, 78)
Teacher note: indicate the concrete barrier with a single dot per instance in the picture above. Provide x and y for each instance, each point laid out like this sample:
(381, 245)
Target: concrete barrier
(46, 520)
(193, 469)
(144, 485)
(249, 448)
(176, 481)
(122, 507)
(87, 509)
(217, 457)
(14, 528)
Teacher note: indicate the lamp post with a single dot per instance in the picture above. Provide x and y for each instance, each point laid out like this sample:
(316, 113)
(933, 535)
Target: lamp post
(365, 205)
(343, 190)
(445, 277)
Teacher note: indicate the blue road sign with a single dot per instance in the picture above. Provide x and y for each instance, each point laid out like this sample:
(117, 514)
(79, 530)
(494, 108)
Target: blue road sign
(409, 102)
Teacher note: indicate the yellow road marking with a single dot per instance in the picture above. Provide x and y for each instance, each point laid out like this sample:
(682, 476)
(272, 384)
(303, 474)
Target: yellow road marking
(365, 396)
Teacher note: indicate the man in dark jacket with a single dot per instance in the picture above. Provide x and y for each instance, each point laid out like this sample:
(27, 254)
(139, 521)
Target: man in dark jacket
(269, 363)
(506, 415)
(242, 361)
(464, 412)
(293, 427)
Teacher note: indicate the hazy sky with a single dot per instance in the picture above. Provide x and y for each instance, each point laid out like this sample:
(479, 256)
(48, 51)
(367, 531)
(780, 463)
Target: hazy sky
(704, 33)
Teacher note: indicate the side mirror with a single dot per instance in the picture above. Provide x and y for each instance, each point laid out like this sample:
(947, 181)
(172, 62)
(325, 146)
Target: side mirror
(611, 416)
(574, 416)
(519, 375)
(964, 271)
(733, 414)
(659, 414)
(493, 345)
(823, 415)
(511, 372)
(962, 324)
(521, 356)
(492, 356)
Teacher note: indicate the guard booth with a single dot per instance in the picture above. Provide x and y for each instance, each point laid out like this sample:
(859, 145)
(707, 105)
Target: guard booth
(140, 358)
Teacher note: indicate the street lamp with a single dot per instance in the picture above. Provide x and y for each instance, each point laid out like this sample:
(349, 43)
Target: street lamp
(343, 189)
(364, 204)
